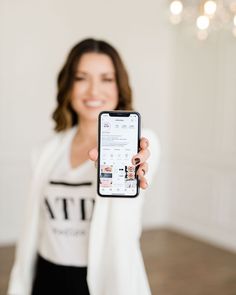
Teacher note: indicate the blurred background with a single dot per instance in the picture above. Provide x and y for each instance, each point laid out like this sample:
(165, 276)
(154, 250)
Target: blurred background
(182, 71)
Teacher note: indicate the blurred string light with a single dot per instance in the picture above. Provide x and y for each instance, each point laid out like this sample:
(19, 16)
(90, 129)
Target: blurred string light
(206, 15)
(176, 7)
(210, 7)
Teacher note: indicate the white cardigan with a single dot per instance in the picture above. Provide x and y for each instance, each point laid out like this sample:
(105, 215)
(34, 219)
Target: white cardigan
(115, 263)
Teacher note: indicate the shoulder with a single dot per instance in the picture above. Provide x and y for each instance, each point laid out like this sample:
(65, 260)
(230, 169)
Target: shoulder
(154, 148)
(152, 137)
(50, 143)
(148, 132)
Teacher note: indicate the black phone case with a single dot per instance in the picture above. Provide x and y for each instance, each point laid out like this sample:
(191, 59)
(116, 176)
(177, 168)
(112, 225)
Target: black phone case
(117, 114)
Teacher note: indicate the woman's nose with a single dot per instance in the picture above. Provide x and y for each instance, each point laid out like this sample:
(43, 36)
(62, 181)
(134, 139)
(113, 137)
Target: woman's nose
(94, 88)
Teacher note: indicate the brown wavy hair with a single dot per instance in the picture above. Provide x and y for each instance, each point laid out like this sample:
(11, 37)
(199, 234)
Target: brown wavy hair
(64, 115)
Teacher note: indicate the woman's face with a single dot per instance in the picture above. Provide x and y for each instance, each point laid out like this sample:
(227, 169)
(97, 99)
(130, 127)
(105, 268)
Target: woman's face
(95, 88)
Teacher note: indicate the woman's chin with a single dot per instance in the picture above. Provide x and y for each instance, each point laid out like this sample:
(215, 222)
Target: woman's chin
(92, 113)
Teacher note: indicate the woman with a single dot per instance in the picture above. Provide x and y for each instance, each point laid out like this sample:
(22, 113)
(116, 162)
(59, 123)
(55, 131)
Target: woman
(75, 242)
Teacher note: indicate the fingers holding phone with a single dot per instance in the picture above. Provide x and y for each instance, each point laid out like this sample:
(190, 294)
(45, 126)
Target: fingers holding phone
(140, 161)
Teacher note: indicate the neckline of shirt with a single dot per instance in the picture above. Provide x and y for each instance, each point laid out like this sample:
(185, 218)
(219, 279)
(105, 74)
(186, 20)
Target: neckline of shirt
(83, 165)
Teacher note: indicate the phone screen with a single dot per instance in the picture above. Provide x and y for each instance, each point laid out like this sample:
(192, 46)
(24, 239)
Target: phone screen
(118, 143)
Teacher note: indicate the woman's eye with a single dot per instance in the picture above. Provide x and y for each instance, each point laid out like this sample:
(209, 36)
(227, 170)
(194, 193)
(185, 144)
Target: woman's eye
(79, 78)
(108, 79)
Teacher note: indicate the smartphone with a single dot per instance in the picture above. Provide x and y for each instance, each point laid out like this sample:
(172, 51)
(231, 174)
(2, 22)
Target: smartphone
(118, 142)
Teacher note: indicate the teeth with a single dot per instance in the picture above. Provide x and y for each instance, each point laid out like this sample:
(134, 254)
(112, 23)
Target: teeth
(93, 103)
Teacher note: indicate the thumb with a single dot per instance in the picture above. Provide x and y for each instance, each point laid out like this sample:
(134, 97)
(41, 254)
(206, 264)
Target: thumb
(93, 154)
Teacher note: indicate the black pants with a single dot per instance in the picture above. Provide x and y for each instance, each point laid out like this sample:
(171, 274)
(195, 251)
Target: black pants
(57, 279)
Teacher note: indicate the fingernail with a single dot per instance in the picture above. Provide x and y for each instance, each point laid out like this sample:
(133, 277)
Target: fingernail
(137, 161)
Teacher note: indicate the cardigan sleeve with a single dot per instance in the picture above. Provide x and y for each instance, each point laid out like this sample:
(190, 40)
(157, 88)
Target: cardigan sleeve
(115, 260)
(22, 272)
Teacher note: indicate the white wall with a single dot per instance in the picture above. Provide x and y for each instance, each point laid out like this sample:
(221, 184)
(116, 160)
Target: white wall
(202, 180)
(35, 38)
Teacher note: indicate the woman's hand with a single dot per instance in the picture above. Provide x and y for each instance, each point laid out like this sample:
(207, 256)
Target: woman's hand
(137, 160)
(140, 160)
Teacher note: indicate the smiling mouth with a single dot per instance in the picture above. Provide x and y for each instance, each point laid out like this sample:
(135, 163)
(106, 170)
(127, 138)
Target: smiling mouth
(94, 103)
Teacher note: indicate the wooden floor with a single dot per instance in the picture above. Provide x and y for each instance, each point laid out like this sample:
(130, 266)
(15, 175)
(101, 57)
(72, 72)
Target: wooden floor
(176, 265)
